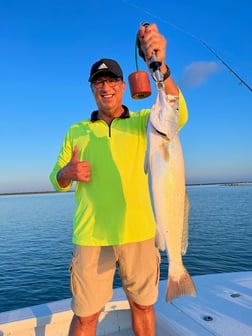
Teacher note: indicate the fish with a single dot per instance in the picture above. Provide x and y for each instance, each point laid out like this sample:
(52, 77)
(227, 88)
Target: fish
(164, 165)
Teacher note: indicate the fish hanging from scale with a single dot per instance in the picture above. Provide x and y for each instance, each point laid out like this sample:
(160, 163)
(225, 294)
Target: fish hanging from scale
(164, 165)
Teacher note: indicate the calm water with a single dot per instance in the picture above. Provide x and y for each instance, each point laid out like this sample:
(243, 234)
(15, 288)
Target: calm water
(35, 241)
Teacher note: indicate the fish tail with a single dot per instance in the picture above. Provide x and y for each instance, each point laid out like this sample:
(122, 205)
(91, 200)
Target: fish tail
(180, 287)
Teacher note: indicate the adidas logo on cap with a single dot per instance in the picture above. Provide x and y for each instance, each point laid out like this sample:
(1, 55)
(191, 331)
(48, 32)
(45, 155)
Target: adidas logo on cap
(102, 66)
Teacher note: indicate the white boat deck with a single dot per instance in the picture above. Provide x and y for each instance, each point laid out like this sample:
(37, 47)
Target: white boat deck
(223, 307)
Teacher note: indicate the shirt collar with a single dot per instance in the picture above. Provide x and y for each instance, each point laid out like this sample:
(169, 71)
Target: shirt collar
(125, 114)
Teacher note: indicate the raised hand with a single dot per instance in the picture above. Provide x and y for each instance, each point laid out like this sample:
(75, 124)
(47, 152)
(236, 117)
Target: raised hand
(75, 170)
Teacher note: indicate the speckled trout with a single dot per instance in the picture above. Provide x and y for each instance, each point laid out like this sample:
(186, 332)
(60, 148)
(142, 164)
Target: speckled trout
(164, 164)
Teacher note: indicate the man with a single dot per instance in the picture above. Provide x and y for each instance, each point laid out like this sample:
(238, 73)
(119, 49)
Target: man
(113, 222)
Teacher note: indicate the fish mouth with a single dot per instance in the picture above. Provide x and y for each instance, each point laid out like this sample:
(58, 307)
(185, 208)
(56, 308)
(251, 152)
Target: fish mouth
(160, 133)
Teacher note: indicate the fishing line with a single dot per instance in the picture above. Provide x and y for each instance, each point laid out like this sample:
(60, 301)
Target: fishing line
(202, 42)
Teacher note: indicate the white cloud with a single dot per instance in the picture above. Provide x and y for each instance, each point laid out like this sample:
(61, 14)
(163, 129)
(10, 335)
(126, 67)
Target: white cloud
(197, 73)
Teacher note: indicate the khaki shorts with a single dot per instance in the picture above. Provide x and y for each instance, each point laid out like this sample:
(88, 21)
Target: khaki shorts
(93, 269)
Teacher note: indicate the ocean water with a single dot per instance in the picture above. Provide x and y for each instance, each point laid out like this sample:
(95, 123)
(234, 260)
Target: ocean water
(35, 241)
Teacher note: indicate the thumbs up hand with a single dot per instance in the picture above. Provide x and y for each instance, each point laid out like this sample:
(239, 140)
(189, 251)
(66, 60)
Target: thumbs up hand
(75, 170)
(75, 155)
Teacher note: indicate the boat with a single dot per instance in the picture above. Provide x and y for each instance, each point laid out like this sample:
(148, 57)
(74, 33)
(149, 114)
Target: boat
(223, 306)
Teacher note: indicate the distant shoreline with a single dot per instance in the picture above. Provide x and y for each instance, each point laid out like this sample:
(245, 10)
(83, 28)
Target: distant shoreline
(231, 184)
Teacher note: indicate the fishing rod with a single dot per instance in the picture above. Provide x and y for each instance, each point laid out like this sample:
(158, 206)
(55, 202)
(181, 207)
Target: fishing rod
(225, 64)
(196, 38)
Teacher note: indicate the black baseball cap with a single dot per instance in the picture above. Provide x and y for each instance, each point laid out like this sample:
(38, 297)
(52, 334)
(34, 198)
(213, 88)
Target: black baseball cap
(106, 66)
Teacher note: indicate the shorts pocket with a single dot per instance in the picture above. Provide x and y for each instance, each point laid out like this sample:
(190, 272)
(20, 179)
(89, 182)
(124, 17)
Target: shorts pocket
(72, 268)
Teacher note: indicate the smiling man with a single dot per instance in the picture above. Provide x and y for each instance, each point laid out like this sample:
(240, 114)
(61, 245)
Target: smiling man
(113, 221)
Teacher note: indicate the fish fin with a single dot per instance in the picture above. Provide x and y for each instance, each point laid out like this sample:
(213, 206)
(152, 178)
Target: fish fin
(146, 164)
(164, 151)
(180, 287)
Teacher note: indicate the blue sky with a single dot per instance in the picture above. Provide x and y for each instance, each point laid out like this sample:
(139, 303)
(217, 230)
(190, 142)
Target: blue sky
(47, 48)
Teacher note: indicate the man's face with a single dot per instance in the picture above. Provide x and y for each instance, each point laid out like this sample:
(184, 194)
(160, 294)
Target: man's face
(108, 92)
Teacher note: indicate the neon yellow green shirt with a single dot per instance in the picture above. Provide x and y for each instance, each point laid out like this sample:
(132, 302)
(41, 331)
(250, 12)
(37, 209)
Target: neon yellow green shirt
(114, 207)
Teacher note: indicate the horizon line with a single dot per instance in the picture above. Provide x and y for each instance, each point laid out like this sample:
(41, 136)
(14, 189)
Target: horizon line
(59, 192)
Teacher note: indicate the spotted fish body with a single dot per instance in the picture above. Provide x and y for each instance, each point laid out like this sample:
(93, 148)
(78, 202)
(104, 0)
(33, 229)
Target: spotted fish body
(164, 165)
